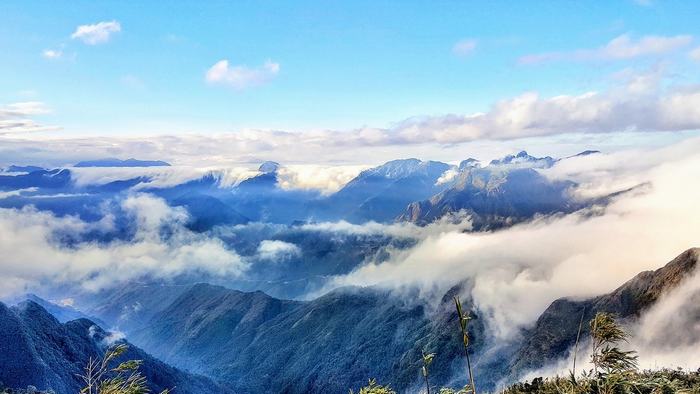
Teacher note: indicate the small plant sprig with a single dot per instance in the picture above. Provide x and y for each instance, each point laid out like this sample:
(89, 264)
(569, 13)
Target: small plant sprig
(606, 334)
(427, 360)
(374, 388)
(125, 378)
(463, 325)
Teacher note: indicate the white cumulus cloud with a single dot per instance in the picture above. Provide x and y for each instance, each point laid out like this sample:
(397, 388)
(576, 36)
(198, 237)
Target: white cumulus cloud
(98, 33)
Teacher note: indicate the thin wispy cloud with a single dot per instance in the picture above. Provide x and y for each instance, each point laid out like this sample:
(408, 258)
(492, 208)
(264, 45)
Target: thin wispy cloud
(464, 47)
(623, 47)
(132, 81)
(16, 117)
(98, 33)
(52, 54)
(241, 77)
(695, 54)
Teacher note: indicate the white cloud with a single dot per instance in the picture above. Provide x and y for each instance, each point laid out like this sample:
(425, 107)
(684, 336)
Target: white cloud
(15, 118)
(327, 179)
(517, 272)
(241, 77)
(98, 33)
(27, 108)
(405, 230)
(668, 333)
(15, 193)
(620, 48)
(695, 54)
(275, 250)
(448, 176)
(34, 258)
(324, 178)
(160, 177)
(464, 47)
(636, 103)
(52, 54)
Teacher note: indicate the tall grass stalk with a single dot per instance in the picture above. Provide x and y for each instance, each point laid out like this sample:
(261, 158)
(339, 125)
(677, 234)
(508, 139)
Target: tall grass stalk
(427, 360)
(463, 325)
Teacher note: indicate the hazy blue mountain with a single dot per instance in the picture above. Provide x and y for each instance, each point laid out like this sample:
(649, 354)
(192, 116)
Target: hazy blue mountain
(207, 211)
(131, 307)
(114, 162)
(326, 345)
(36, 349)
(257, 343)
(382, 193)
(261, 199)
(506, 191)
(495, 198)
(44, 179)
(16, 168)
(206, 322)
(63, 313)
(586, 153)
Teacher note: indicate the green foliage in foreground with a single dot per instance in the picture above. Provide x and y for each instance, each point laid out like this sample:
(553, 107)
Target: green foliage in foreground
(374, 388)
(102, 378)
(664, 381)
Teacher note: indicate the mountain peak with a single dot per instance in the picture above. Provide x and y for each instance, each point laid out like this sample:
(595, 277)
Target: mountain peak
(523, 159)
(468, 163)
(269, 167)
(586, 153)
(402, 168)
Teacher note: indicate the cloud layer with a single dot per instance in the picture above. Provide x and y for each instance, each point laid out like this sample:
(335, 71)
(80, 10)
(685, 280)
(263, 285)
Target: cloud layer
(161, 248)
(636, 103)
(16, 117)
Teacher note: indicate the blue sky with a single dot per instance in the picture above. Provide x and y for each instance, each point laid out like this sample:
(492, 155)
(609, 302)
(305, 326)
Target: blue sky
(341, 64)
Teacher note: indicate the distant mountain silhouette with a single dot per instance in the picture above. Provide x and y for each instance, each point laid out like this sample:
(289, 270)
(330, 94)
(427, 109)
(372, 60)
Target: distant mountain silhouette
(114, 162)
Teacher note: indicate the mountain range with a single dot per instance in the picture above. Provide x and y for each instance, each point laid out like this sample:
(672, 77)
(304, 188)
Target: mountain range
(504, 191)
(252, 342)
(273, 333)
